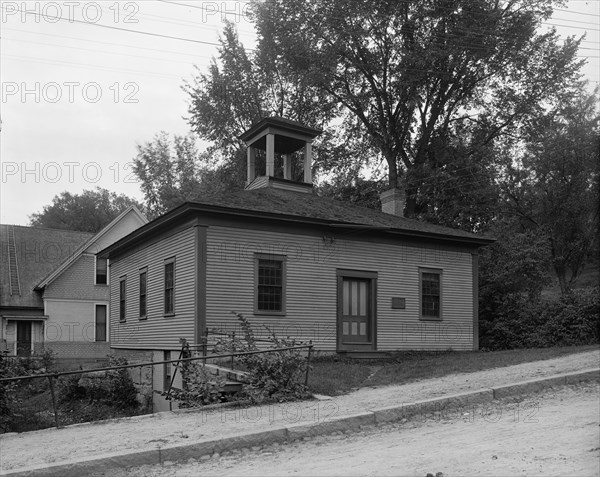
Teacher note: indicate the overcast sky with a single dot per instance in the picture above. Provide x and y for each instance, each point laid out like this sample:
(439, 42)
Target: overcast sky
(79, 93)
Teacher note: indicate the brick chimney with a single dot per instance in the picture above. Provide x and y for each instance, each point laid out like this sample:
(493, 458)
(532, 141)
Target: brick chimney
(393, 201)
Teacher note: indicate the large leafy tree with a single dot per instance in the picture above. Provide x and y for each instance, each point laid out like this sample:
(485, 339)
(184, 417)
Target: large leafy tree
(89, 211)
(172, 171)
(553, 187)
(414, 75)
(240, 88)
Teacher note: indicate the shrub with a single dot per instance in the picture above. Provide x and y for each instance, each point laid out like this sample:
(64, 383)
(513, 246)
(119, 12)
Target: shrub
(273, 376)
(572, 319)
(19, 400)
(113, 388)
(9, 368)
(200, 388)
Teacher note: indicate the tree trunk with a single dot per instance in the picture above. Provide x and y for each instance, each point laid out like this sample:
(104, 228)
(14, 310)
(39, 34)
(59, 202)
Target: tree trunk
(561, 274)
(393, 169)
(411, 202)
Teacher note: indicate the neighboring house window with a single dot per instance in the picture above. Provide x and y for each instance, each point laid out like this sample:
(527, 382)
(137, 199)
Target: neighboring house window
(122, 292)
(143, 285)
(100, 322)
(170, 287)
(101, 271)
(269, 284)
(431, 293)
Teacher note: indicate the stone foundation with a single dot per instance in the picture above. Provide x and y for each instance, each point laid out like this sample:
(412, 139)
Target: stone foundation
(142, 377)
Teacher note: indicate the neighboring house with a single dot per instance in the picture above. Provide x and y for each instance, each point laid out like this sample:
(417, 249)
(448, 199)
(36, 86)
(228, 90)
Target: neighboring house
(55, 292)
(351, 279)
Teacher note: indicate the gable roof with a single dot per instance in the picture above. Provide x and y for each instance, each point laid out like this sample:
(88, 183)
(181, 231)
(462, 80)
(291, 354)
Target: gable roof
(94, 238)
(38, 252)
(310, 209)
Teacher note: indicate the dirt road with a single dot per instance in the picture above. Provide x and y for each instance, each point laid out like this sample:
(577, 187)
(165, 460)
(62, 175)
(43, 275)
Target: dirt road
(142, 433)
(551, 433)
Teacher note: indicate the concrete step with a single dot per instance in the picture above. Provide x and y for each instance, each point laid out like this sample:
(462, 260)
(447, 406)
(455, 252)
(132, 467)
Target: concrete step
(230, 374)
(366, 354)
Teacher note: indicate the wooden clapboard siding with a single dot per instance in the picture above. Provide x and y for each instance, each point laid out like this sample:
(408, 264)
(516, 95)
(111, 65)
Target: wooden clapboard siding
(311, 286)
(157, 331)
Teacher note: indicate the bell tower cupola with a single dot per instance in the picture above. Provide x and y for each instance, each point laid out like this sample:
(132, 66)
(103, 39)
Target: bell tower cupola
(279, 154)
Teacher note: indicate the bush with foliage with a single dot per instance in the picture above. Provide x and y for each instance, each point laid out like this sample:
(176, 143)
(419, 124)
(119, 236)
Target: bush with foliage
(9, 368)
(200, 387)
(114, 388)
(16, 397)
(273, 376)
(519, 322)
(573, 319)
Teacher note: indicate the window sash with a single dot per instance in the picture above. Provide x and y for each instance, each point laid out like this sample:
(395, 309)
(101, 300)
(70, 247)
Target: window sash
(431, 294)
(169, 288)
(122, 300)
(143, 287)
(101, 271)
(270, 286)
(101, 311)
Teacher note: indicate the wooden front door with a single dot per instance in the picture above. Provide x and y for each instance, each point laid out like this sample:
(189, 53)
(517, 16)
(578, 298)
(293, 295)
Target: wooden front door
(356, 312)
(23, 338)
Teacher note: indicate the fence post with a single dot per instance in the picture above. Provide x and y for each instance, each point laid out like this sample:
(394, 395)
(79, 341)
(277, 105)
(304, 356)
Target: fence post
(308, 363)
(53, 401)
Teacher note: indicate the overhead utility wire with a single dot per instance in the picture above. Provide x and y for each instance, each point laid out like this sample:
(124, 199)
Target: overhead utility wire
(80, 65)
(575, 13)
(483, 32)
(71, 20)
(182, 38)
(217, 44)
(121, 45)
(153, 49)
(107, 52)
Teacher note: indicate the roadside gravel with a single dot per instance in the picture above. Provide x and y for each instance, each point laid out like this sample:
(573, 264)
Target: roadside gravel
(168, 428)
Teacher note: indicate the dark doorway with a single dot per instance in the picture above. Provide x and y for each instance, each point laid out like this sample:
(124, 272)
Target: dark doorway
(24, 338)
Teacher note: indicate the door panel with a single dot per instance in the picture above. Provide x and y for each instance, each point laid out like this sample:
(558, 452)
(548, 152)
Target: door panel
(355, 316)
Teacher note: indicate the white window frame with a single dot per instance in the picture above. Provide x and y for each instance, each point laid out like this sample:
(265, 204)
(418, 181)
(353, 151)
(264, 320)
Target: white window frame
(96, 272)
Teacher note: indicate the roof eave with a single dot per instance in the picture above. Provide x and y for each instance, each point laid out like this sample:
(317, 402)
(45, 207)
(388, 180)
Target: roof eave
(270, 121)
(192, 207)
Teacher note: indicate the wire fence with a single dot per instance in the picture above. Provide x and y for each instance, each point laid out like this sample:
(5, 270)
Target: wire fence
(36, 398)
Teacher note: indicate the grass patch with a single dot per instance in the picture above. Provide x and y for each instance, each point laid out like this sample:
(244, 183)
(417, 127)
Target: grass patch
(337, 375)
(331, 377)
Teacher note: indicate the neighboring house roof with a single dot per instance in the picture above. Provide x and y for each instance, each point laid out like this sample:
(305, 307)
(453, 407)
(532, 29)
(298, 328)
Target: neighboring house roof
(87, 245)
(38, 251)
(288, 206)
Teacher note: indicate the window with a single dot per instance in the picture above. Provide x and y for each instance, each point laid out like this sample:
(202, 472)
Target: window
(270, 284)
(431, 294)
(170, 287)
(100, 323)
(101, 271)
(143, 283)
(167, 371)
(122, 292)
